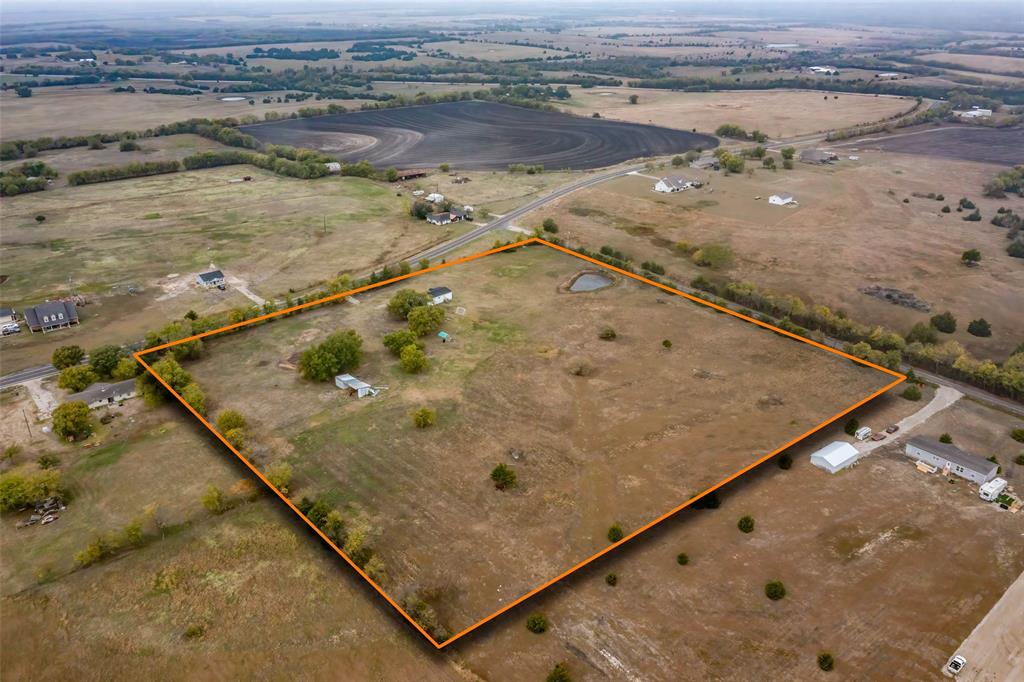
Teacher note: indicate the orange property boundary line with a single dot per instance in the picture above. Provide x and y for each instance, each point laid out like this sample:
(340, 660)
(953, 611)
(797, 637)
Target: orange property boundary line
(899, 378)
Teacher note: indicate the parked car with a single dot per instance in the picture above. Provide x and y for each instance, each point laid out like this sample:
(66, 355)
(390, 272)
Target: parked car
(956, 664)
(878, 436)
(892, 428)
(10, 328)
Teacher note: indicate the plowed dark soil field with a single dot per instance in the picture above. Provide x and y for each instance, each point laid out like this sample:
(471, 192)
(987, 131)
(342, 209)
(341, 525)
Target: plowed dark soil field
(477, 135)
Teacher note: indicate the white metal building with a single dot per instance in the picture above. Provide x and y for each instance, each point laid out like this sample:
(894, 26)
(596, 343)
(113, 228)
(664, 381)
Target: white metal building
(781, 199)
(439, 295)
(359, 387)
(835, 456)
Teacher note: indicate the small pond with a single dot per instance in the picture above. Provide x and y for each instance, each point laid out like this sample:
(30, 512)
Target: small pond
(589, 281)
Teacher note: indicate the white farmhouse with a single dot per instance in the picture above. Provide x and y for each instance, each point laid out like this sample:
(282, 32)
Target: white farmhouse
(100, 394)
(783, 199)
(672, 183)
(835, 456)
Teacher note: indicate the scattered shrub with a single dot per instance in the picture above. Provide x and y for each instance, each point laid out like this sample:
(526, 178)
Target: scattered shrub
(826, 662)
(775, 590)
(612, 579)
(944, 322)
(785, 460)
(979, 327)
(607, 334)
(560, 673)
(946, 438)
(504, 477)
(615, 533)
(682, 559)
(851, 426)
(424, 417)
(537, 623)
(746, 524)
(911, 393)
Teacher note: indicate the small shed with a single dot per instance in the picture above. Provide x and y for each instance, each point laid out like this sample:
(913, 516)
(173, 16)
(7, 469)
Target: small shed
(835, 456)
(357, 386)
(439, 295)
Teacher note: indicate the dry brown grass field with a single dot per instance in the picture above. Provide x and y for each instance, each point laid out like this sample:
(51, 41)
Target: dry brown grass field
(156, 233)
(856, 552)
(778, 113)
(615, 444)
(851, 229)
(83, 110)
(983, 62)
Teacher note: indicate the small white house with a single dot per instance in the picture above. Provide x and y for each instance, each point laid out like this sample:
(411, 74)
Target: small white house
(435, 198)
(951, 459)
(357, 386)
(333, 167)
(992, 490)
(835, 456)
(784, 199)
(672, 183)
(439, 295)
(211, 279)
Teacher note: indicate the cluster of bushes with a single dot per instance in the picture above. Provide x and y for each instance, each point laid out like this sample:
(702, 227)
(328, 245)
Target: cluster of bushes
(1011, 180)
(110, 543)
(731, 163)
(423, 319)
(736, 132)
(31, 176)
(1014, 225)
(131, 170)
(22, 486)
(535, 169)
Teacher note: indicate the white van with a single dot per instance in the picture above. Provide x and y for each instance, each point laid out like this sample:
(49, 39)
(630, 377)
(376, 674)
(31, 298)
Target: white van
(863, 433)
(10, 328)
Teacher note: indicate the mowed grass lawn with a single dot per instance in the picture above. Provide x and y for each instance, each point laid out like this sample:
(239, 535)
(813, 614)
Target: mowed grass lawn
(275, 234)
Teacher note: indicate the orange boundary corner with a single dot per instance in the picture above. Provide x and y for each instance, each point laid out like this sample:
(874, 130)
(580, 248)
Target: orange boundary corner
(899, 378)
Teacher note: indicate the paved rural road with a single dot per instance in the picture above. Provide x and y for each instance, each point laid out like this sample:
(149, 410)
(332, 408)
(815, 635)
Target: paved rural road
(21, 376)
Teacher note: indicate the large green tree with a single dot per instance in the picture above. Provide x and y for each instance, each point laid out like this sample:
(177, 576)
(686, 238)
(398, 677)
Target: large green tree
(104, 359)
(76, 378)
(67, 356)
(426, 320)
(71, 420)
(405, 300)
(340, 352)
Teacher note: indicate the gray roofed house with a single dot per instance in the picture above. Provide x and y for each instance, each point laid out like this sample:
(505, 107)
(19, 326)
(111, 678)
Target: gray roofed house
(817, 156)
(51, 315)
(213, 278)
(8, 315)
(101, 394)
(941, 455)
(706, 163)
(439, 218)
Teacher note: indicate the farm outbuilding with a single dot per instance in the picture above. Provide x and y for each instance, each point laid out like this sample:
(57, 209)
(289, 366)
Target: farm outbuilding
(439, 295)
(439, 218)
(784, 199)
(357, 386)
(952, 459)
(835, 456)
